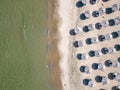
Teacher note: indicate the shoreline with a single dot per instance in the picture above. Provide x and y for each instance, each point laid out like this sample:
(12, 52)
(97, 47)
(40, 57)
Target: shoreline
(53, 38)
(60, 52)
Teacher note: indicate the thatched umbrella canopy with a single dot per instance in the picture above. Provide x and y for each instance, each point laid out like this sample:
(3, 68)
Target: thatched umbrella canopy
(117, 20)
(101, 11)
(85, 69)
(101, 67)
(108, 36)
(104, 23)
(94, 40)
(98, 66)
(115, 63)
(115, 88)
(91, 27)
(82, 56)
(111, 50)
(112, 76)
(89, 82)
(115, 7)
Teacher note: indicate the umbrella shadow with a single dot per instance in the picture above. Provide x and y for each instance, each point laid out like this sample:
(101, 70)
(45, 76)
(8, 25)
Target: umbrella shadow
(82, 68)
(72, 32)
(98, 79)
(85, 81)
(79, 4)
(95, 66)
(75, 44)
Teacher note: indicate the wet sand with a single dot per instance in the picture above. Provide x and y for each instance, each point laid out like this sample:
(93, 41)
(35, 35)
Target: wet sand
(53, 39)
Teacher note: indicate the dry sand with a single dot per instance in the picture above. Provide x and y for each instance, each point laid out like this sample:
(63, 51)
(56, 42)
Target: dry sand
(68, 15)
(70, 75)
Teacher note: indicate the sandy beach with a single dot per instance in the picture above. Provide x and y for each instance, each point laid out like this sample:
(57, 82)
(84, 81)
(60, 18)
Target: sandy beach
(69, 18)
(71, 77)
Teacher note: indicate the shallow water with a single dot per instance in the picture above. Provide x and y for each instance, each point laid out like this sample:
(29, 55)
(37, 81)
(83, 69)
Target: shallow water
(23, 45)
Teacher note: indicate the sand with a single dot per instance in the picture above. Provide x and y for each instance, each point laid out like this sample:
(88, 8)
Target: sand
(53, 54)
(71, 77)
(68, 21)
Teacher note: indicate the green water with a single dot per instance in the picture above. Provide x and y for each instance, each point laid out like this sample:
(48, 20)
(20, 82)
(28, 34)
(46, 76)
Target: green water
(23, 45)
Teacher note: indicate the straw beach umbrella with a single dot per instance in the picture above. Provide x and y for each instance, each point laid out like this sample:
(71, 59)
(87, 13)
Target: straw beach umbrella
(111, 50)
(114, 76)
(82, 56)
(75, 31)
(115, 64)
(101, 11)
(115, 7)
(78, 44)
(118, 32)
(102, 79)
(116, 88)
(104, 23)
(85, 15)
(98, 12)
(91, 27)
(85, 69)
(108, 36)
(98, 66)
(89, 82)
(96, 53)
(117, 20)
(101, 67)
(94, 40)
